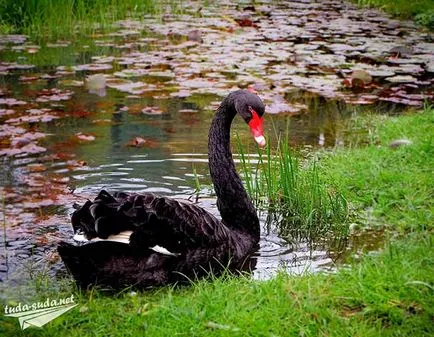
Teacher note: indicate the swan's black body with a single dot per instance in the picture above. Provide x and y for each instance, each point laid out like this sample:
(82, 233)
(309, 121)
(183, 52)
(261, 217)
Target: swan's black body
(200, 242)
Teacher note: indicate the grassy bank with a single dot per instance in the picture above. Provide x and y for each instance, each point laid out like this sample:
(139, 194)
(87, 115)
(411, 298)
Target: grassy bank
(53, 19)
(391, 186)
(388, 293)
(422, 11)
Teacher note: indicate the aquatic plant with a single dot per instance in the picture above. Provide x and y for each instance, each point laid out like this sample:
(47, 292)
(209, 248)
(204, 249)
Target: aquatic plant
(421, 10)
(51, 19)
(298, 202)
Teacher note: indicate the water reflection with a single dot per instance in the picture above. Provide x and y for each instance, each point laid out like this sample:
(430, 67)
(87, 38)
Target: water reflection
(174, 146)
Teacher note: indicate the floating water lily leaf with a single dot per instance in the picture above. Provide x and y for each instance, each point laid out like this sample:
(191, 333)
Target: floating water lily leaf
(279, 105)
(11, 101)
(79, 112)
(126, 73)
(25, 150)
(181, 93)
(416, 97)
(400, 100)
(16, 66)
(401, 79)
(166, 73)
(130, 87)
(413, 69)
(93, 67)
(381, 72)
(142, 142)
(45, 118)
(54, 95)
(4, 112)
(26, 138)
(399, 61)
(29, 78)
(152, 110)
(363, 99)
(84, 137)
(9, 130)
(73, 164)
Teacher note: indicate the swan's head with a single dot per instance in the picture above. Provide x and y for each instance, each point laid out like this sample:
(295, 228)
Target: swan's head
(252, 109)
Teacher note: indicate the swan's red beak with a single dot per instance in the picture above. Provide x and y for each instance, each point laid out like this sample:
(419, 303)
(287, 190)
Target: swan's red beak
(255, 125)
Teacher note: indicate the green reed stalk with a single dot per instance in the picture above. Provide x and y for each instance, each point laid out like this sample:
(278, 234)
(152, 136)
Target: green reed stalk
(300, 204)
(54, 19)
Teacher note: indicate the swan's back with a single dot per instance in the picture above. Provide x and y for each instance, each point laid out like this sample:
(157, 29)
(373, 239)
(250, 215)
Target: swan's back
(155, 220)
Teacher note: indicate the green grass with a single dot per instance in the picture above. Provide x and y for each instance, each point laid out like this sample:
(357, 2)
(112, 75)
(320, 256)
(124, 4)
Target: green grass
(420, 10)
(386, 293)
(393, 185)
(53, 19)
(299, 203)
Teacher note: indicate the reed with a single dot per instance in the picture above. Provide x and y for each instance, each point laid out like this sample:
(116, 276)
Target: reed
(422, 11)
(53, 19)
(298, 202)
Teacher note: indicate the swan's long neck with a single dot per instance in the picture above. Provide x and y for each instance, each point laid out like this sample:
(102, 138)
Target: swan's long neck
(233, 202)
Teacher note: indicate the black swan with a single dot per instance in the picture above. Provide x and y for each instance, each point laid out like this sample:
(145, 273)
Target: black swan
(198, 243)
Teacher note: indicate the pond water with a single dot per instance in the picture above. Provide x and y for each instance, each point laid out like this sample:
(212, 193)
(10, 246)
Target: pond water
(141, 123)
(41, 188)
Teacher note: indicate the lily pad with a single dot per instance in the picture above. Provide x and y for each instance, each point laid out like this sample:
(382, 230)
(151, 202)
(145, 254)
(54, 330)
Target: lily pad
(11, 101)
(85, 137)
(142, 142)
(152, 110)
(25, 150)
(401, 79)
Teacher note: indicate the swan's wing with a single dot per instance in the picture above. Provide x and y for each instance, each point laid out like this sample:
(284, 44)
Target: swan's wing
(188, 224)
(154, 220)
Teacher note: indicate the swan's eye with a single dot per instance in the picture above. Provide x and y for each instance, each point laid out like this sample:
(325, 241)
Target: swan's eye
(255, 125)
